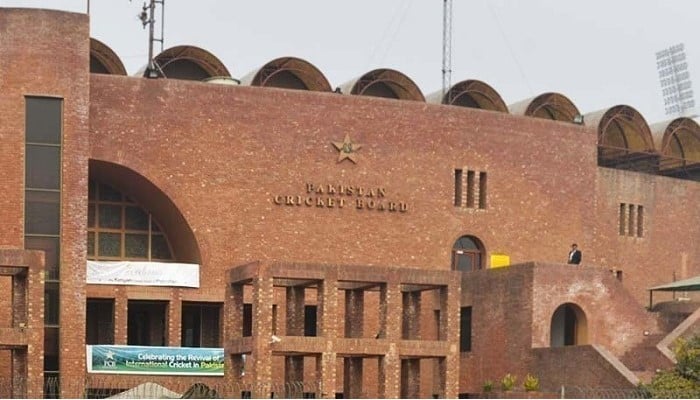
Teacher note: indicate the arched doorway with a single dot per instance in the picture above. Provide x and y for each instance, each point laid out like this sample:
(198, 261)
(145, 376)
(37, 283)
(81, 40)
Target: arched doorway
(467, 254)
(569, 326)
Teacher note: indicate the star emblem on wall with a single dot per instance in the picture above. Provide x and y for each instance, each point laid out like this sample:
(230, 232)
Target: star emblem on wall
(347, 149)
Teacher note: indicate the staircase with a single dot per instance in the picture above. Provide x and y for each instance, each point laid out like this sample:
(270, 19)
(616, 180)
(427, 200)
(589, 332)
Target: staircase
(645, 359)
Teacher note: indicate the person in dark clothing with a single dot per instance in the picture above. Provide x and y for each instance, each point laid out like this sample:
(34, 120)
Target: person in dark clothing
(574, 255)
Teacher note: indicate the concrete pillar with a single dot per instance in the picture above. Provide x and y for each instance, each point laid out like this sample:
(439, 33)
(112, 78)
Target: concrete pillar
(295, 311)
(293, 377)
(262, 333)
(410, 378)
(352, 374)
(354, 313)
(411, 315)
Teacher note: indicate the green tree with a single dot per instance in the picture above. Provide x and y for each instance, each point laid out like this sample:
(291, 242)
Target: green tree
(683, 381)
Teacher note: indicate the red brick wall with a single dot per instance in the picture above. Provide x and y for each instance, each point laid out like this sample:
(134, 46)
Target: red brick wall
(46, 53)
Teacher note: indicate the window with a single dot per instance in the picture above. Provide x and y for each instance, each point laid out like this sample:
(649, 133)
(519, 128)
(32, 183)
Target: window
(465, 329)
(119, 229)
(247, 320)
(631, 220)
(99, 325)
(200, 325)
(470, 189)
(310, 320)
(467, 254)
(147, 323)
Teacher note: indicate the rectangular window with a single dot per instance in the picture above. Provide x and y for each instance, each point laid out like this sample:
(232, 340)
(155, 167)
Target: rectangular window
(43, 120)
(200, 325)
(458, 187)
(622, 216)
(640, 221)
(482, 190)
(470, 189)
(146, 323)
(310, 320)
(631, 220)
(99, 324)
(465, 329)
(247, 320)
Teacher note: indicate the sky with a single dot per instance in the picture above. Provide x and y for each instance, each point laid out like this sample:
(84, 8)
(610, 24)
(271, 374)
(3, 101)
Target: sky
(598, 53)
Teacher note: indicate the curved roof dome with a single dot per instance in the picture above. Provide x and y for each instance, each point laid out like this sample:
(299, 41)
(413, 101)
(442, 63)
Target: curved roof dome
(386, 83)
(624, 139)
(678, 143)
(189, 63)
(550, 105)
(103, 60)
(473, 94)
(288, 73)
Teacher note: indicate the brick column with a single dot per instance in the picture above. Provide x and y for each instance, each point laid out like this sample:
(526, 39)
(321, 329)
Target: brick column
(354, 313)
(175, 319)
(121, 316)
(19, 373)
(450, 298)
(295, 311)
(262, 333)
(411, 315)
(410, 378)
(327, 328)
(352, 377)
(389, 364)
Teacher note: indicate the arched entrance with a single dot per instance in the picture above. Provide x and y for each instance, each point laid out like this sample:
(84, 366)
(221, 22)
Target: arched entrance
(569, 326)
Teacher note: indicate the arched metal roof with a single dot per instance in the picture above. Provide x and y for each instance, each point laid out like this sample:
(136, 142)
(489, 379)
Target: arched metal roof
(624, 139)
(550, 105)
(678, 143)
(386, 83)
(189, 63)
(103, 60)
(471, 93)
(288, 73)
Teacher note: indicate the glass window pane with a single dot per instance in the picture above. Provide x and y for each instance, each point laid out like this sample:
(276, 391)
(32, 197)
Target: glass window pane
(51, 348)
(92, 187)
(136, 245)
(136, 219)
(110, 244)
(91, 244)
(50, 246)
(41, 213)
(91, 216)
(43, 167)
(43, 120)
(51, 303)
(159, 248)
(108, 193)
(110, 216)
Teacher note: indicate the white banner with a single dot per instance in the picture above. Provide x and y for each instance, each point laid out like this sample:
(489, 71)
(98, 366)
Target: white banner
(142, 273)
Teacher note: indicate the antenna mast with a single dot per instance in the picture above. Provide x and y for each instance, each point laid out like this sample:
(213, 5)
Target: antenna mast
(446, 45)
(147, 17)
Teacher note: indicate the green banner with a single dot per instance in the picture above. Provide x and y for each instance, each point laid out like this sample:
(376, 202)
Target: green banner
(151, 360)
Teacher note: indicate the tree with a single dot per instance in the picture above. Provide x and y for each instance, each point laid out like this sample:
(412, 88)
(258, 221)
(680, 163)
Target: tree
(683, 381)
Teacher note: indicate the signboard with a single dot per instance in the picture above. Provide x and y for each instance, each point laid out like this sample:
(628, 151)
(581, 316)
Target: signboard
(142, 273)
(152, 360)
(499, 260)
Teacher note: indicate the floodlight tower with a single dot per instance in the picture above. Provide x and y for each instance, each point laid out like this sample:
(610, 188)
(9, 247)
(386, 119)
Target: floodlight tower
(147, 17)
(674, 77)
(446, 45)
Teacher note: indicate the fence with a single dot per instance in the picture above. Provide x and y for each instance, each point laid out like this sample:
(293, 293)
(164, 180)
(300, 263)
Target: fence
(135, 388)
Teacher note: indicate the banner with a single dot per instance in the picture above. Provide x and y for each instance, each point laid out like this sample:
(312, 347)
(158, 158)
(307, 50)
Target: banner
(152, 360)
(142, 273)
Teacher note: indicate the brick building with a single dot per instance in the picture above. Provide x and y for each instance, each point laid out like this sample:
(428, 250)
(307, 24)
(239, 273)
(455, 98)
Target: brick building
(363, 242)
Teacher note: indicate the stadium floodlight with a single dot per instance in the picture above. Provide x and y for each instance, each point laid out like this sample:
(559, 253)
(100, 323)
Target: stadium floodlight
(674, 77)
